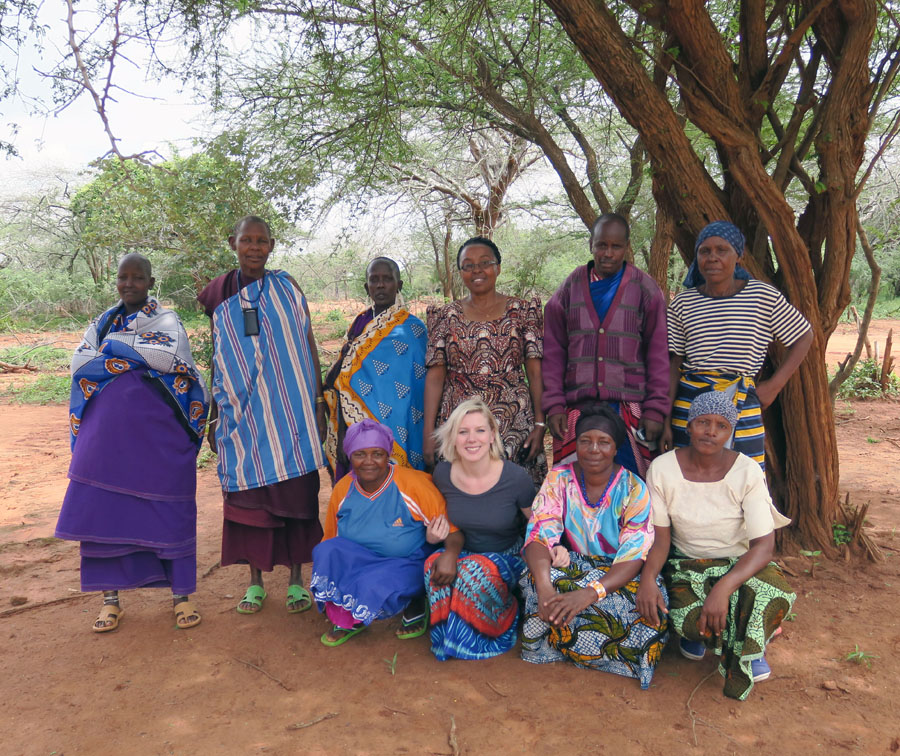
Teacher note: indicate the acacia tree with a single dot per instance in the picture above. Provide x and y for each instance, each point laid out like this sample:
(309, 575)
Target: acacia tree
(787, 93)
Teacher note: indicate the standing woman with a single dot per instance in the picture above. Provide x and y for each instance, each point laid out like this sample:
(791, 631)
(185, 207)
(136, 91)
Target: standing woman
(477, 346)
(720, 328)
(268, 417)
(470, 582)
(380, 373)
(137, 413)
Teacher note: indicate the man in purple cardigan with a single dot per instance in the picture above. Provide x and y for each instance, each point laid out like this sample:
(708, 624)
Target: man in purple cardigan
(605, 339)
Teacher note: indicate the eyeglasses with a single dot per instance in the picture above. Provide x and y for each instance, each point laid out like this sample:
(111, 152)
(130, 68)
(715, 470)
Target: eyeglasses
(483, 265)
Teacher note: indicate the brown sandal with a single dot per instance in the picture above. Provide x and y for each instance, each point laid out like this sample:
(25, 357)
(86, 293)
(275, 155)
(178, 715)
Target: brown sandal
(186, 609)
(109, 613)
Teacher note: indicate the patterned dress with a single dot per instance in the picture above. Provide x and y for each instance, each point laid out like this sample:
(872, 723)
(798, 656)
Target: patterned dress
(486, 359)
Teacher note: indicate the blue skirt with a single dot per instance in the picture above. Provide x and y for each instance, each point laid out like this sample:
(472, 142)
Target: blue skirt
(368, 586)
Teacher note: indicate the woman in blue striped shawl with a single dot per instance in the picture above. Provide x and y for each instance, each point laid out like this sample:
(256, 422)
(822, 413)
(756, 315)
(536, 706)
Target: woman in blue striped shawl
(269, 416)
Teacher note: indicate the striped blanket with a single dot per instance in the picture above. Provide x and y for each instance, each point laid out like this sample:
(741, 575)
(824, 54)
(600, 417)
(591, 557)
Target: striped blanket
(265, 387)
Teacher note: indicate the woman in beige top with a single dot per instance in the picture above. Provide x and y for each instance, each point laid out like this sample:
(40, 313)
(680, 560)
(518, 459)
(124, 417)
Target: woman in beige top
(712, 505)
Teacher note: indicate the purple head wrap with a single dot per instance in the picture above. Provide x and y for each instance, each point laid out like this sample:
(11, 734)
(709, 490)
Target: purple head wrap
(368, 434)
(724, 230)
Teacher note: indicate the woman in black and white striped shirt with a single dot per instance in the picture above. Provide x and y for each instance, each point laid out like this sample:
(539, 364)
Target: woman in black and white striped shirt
(719, 331)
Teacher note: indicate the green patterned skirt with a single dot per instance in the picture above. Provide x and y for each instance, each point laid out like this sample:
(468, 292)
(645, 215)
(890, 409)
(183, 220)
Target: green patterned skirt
(755, 611)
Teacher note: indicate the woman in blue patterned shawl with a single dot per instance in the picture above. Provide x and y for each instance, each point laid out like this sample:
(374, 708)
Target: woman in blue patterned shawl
(137, 413)
(380, 373)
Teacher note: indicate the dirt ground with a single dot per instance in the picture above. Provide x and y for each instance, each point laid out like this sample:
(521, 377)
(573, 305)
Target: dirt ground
(245, 684)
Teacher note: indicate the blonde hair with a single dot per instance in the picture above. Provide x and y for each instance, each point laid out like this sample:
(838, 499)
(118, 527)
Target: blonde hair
(445, 436)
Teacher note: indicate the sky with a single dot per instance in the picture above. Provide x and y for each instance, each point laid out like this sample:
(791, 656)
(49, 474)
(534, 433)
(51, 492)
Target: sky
(50, 142)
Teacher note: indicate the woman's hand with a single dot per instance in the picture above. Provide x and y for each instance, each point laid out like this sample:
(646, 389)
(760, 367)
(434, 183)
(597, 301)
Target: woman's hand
(564, 607)
(443, 571)
(559, 557)
(766, 392)
(558, 424)
(428, 451)
(438, 530)
(321, 421)
(714, 613)
(667, 437)
(535, 442)
(649, 601)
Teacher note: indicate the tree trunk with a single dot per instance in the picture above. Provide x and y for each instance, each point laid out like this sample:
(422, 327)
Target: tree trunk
(725, 100)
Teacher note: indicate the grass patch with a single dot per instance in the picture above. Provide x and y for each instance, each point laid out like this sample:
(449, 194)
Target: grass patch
(863, 382)
(45, 389)
(886, 308)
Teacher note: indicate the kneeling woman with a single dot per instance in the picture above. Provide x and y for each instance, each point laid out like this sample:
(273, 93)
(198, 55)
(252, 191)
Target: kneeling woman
(589, 534)
(470, 582)
(724, 592)
(369, 564)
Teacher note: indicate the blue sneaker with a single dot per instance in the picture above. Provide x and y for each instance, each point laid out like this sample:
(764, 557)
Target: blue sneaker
(760, 669)
(693, 650)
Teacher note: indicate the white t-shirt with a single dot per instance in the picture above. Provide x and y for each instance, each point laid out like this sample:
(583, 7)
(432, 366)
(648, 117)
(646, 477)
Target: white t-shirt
(712, 520)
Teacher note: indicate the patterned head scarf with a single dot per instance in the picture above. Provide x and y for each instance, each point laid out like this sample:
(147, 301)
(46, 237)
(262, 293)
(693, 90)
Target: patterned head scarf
(714, 403)
(368, 434)
(724, 230)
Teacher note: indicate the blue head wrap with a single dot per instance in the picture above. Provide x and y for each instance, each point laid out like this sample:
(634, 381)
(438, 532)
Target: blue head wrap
(724, 230)
(714, 403)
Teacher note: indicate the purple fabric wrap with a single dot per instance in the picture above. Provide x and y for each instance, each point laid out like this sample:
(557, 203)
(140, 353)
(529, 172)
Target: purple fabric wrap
(131, 497)
(367, 434)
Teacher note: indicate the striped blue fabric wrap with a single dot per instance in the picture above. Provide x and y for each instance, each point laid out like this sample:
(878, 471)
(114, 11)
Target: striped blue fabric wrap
(265, 387)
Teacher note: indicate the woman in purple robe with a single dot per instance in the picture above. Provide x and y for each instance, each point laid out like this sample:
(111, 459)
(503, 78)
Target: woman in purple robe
(137, 411)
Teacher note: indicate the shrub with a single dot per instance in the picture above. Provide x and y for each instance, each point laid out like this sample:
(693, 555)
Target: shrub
(864, 382)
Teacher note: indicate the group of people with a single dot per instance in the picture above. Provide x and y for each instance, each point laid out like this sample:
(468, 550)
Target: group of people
(655, 514)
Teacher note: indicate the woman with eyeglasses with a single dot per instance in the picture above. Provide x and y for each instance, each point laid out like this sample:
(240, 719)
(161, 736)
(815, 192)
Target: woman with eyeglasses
(478, 346)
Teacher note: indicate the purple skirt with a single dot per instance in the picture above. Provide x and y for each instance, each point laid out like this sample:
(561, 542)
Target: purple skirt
(131, 497)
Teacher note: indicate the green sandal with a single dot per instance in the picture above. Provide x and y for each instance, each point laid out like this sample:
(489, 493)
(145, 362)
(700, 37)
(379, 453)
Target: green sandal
(295, 595)
(421, 619)
(255, 595)
(344, 638)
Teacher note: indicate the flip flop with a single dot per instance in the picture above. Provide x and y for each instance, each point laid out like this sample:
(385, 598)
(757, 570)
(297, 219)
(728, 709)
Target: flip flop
(412, 622)
(255, 595)
(295, 594)
(186, 609)
(344, 638)
(108, 613)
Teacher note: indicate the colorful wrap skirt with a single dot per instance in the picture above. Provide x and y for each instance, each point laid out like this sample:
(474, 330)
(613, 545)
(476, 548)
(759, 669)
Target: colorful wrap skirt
(749, 434)
(610, 635)
(475, 617)
(755, 611)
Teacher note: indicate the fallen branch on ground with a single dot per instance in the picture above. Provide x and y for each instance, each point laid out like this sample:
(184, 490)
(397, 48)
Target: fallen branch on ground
(41, 604)
(451, 738)
(6, 367)
(260, 669)
(301, 725)
(491, 686)
(210, 570)
(694, 719)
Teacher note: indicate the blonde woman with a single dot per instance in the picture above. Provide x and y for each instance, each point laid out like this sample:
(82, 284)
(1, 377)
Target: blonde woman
(470, 581)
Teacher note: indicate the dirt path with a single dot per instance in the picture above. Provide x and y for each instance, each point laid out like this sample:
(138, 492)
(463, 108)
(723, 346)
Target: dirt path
(151, 689)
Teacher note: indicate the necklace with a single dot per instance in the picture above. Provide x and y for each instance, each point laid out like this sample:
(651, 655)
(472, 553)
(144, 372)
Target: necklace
(584, 492)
